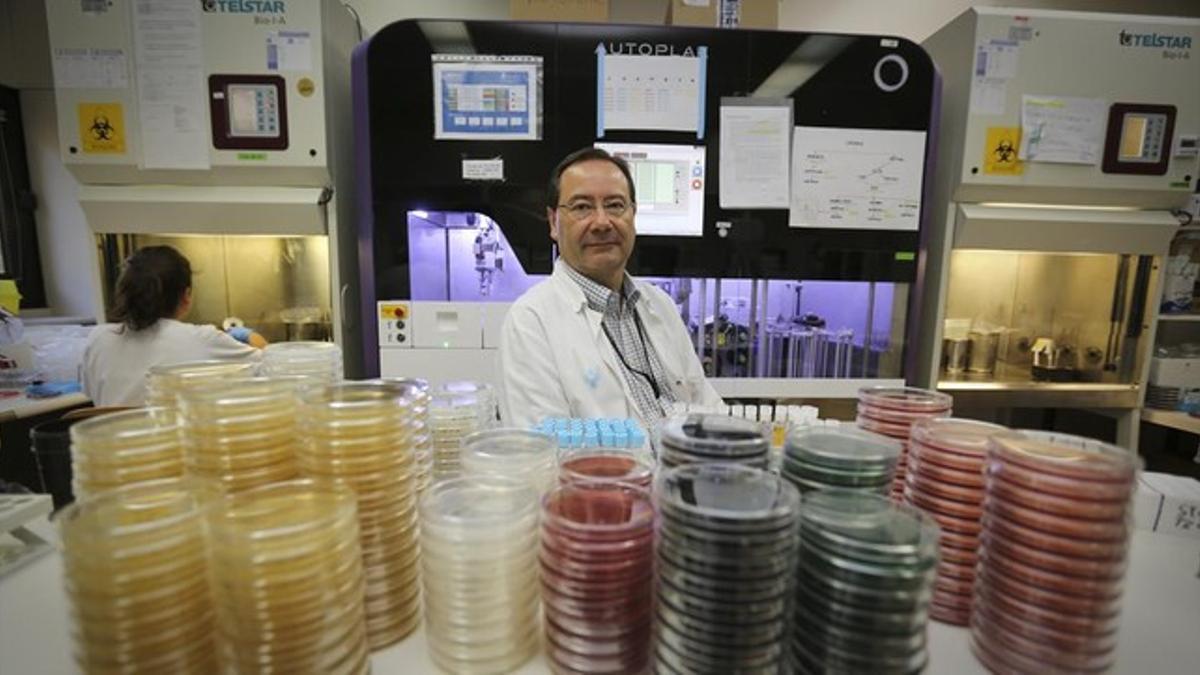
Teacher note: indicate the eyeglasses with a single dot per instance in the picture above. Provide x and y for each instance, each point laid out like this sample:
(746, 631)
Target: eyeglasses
(615, 208)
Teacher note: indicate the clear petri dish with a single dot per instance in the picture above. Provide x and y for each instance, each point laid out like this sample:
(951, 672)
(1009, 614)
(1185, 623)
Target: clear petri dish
(1065, 455)
(720, 496)
(713, 437)
(844, 448)
(606, 464)
(869, 528)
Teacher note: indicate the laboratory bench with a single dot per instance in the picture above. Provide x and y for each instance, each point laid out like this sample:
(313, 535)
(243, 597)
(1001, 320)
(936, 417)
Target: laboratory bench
(1161, 612)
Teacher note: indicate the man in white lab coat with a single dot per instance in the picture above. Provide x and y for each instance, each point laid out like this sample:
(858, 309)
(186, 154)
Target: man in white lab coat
(591, 341)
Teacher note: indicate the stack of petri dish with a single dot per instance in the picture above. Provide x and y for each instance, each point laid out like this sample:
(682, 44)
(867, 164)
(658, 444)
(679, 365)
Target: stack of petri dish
(622, 465)
(361, 435)
(241, 434)
(726, 563)
(1056, 525)
(123, 448)
(320, 361)
(891, 411)
(526, 456)
(704, 438)
(816, 458)
(479, 544)
(597, 562)
(945, 480)
(135, 561)
(289, 580)
(165, 383)
(863, 584)
(418, 399)
(457, 410)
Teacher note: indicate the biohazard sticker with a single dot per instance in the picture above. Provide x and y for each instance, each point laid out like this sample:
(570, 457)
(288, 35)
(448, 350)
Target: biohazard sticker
(102, 128)
(1000, 153)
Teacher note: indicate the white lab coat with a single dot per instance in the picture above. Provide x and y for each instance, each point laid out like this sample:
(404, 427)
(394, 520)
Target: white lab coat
(556, 361)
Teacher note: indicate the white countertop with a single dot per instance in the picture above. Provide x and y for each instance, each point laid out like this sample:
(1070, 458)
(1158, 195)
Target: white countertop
(20, 407)
(1160, 632)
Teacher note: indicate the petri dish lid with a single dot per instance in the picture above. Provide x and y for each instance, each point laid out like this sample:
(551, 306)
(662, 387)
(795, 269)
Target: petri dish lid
(905, 399)
(727, 494)
(1065, 455)
(713, 435)
(955, 434)
(869, 526)
(351, 396)
(501, 447)
(478, 501)
(595, 507)
(128, 427)
(842, 447)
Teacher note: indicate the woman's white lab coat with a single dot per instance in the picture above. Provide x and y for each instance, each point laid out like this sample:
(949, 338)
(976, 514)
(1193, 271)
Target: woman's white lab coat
(555, 359)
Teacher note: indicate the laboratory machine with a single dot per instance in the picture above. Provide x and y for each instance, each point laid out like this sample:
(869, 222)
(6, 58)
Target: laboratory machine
(1068, 142)
(804, 292)
(223, 129)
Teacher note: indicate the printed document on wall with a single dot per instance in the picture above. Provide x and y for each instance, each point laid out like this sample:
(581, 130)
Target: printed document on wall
(866, 179)
(484, 97)
(754, 154)
(172, 106)
(659, 93)
(1062, 129)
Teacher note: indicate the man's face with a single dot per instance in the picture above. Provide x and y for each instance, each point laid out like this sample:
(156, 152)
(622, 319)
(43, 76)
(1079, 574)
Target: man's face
(593, 240)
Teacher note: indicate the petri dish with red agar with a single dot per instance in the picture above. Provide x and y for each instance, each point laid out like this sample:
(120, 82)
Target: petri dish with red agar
(597, 566)
(1053, 552)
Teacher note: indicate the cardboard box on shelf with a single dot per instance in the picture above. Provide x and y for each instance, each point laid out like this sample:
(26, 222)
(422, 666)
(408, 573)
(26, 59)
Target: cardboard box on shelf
(1168, 504)
(724, 13)
(559, 10)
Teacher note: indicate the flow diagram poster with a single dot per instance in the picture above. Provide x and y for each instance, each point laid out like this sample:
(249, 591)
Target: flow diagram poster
(754, 153)
(866, 179)
(650, 92)
(495, 98)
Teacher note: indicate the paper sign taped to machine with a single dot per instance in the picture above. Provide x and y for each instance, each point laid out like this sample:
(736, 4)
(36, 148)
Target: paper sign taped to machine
(865, 179)
(651, 93)
(289, 50)
(1062, 129)
(1000, 152)
(90, 68)
(483, 169)
(101, 128)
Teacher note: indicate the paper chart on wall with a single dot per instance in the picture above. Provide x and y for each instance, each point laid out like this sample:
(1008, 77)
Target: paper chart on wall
(867, 179)
(754, 155)
(481, 97)
(647, 92)
(172, 111)
(1062, 129)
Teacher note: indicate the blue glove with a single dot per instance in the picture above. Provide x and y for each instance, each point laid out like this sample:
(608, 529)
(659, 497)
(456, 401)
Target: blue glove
(52, 389)
(240, 333)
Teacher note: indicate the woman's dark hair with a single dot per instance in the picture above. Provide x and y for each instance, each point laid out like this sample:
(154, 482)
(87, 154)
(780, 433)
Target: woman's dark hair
(584, 155)
(153, 283)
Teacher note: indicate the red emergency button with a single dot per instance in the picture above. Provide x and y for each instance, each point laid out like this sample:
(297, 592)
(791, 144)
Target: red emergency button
(400, 312)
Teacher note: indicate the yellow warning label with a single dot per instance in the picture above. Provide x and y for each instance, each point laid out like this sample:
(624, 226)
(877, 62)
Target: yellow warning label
(1000, 152)
(393, 311)
(306, 87)
(102, 128)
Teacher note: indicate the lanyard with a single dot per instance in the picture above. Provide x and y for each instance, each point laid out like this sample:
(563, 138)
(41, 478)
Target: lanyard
(637, 322)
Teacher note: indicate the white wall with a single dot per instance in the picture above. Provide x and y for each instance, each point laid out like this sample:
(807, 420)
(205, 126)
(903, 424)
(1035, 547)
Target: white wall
(70, 265)
(68, 249)
(913, 19)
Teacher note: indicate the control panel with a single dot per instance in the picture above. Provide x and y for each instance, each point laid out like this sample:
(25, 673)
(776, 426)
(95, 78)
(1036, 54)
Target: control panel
(395, 324)
(249, 112)
(1139, 138)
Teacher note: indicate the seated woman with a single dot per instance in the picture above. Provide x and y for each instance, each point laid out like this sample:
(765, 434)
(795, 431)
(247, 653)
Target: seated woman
(153, 294)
